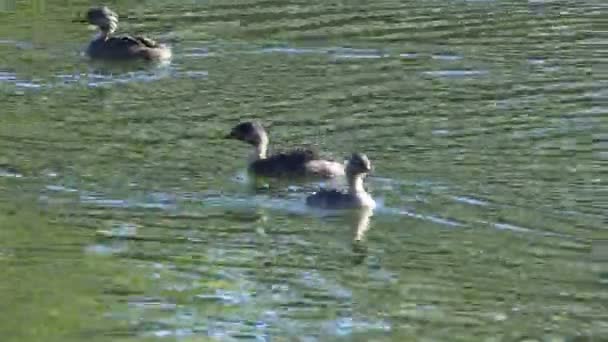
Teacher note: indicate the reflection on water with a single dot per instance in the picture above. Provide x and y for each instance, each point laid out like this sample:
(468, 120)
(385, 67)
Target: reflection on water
(121, 218)
(361, 225)
(102, 77)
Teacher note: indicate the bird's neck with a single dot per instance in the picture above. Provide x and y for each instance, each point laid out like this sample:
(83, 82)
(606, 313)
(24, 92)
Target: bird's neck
(355, 183)
(102, 35)
(259, 150)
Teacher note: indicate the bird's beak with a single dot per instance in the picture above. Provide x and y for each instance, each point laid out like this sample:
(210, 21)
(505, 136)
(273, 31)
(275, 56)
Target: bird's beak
(230, 136)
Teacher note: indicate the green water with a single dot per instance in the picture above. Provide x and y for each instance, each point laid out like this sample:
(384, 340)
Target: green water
(124, 215)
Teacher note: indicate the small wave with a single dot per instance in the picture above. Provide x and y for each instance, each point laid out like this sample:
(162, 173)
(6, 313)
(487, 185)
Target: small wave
(456, 73)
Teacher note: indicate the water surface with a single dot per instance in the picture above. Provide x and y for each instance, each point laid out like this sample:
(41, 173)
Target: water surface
(124, 215)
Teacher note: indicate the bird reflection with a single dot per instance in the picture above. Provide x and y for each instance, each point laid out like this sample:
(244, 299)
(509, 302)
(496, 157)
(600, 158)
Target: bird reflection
(361, 223)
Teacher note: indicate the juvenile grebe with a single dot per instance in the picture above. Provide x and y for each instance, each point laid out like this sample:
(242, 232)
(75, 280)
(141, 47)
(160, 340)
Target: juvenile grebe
(106, 47)
(357, 168)
(297, 163)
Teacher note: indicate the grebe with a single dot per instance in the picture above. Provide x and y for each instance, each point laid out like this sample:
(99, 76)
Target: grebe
(107, 47)
(296, 163)
(356, 197)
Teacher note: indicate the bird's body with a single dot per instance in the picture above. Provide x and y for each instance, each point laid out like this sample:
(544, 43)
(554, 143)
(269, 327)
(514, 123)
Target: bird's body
(127, 48)
(284, 163)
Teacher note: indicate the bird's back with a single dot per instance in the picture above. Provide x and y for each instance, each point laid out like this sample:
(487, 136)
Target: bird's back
(284, 164)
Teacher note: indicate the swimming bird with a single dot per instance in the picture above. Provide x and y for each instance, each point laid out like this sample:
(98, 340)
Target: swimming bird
(296, 163)
(121, 48)
(357, 168)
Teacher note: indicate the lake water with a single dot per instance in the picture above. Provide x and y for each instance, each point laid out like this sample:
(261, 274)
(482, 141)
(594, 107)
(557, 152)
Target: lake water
(125, 215)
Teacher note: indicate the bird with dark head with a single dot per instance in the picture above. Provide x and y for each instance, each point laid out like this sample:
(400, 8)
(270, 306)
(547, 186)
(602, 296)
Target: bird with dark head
(250, 132)
(122, 48)
(357, 168)
(104, 18)
(358, 164)
(296, 163)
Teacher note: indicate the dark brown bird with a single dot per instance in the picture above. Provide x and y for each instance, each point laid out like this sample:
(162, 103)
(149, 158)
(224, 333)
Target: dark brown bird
(296, 163)
(120, 48)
